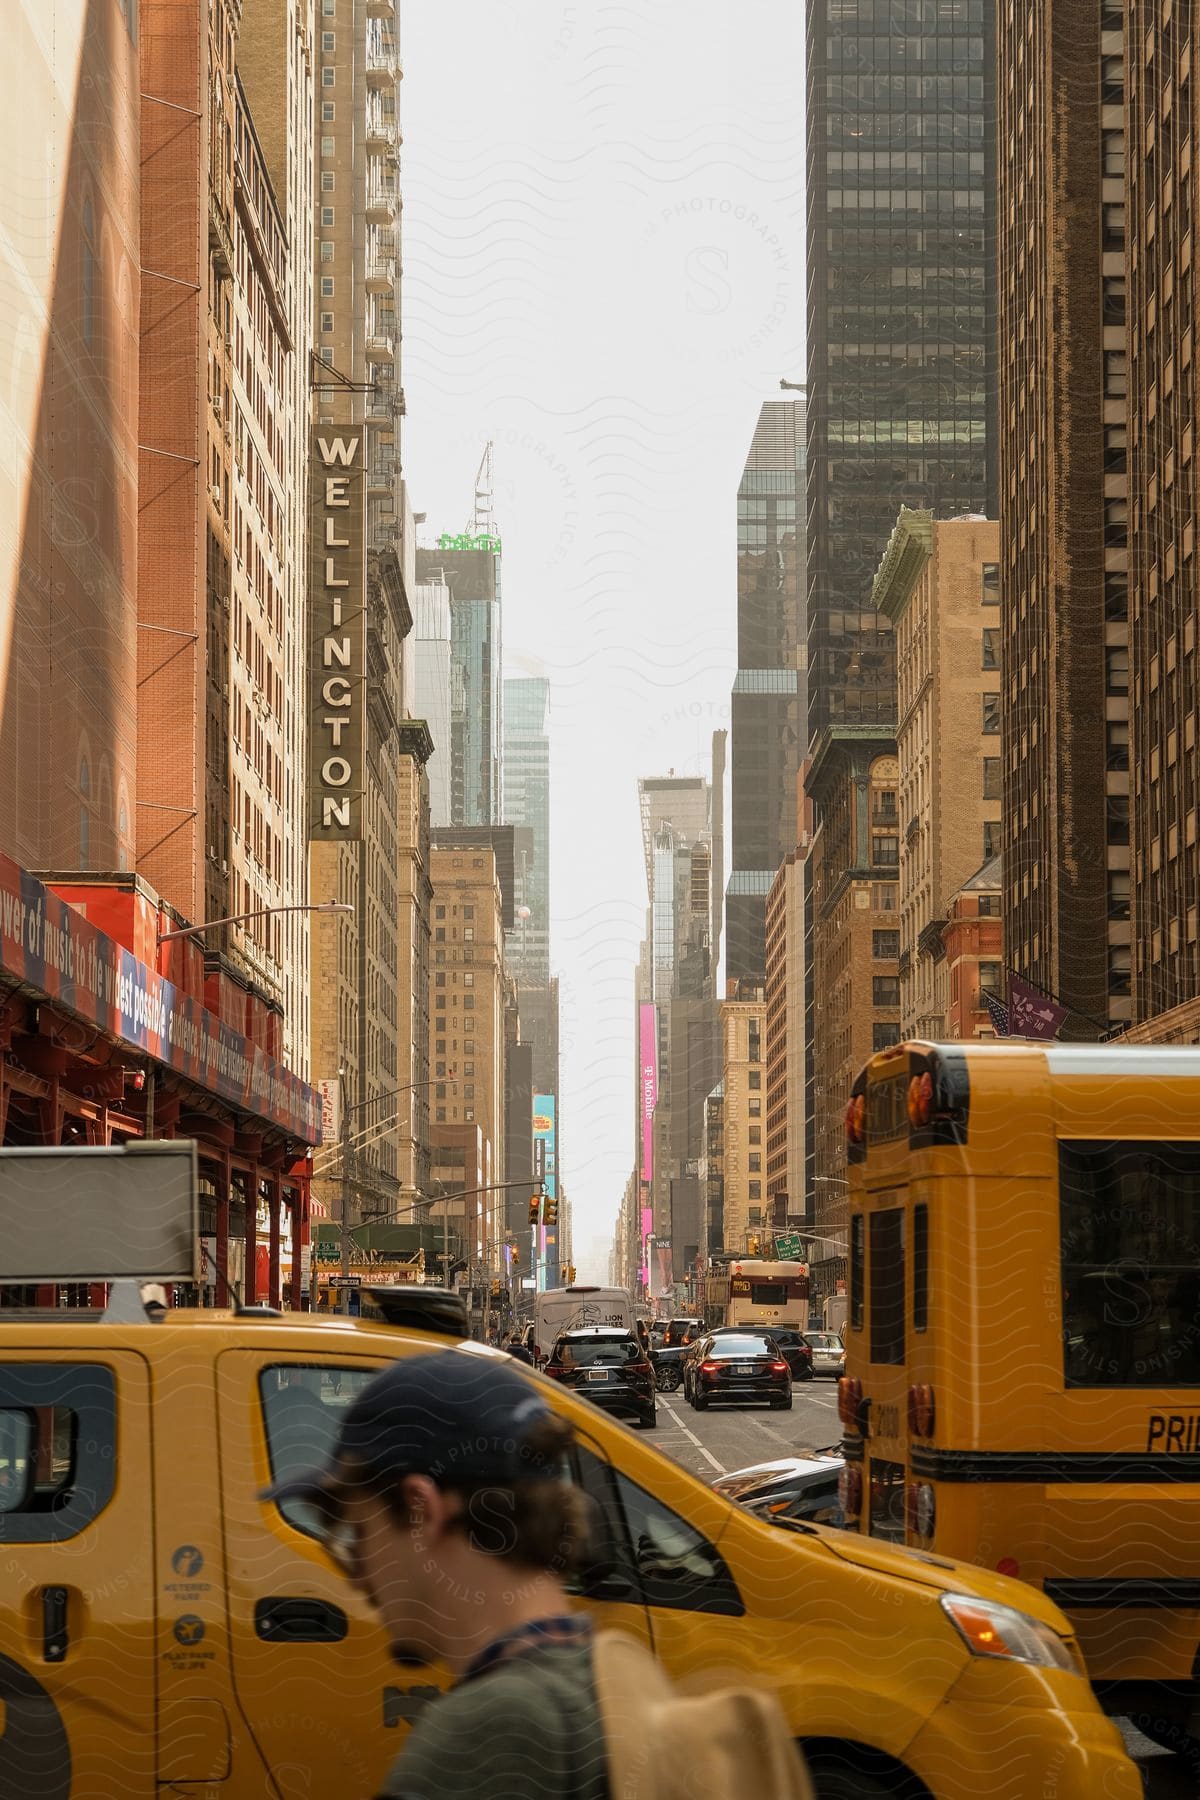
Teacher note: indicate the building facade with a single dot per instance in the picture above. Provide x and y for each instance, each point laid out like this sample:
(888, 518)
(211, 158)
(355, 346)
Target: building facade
(901, 326)
(1063, 507)
(743, 1119)
(527, 805)
(788, 1051)
(1164, 699)
(431, 684)
(476, 686)
(769, 705)
(938, 584)
(468, 1000)
(853, 783)
(70, 291)
(973, 938)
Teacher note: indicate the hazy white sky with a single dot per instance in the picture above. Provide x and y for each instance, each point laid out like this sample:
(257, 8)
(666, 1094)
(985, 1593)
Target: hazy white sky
(603, 274)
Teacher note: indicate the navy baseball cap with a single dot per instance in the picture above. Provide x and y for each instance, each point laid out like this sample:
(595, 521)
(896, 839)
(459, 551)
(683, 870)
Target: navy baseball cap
(454, 1416)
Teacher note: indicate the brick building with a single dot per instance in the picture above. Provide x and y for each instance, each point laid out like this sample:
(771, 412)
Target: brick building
(938, 583)
(468, 1000)
(788, 1050)
(973, 946)
(853, 783)
(70, 285)
(1063, 505)
(743, 1109)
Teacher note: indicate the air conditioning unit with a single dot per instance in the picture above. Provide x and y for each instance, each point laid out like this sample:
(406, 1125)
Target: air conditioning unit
(215, 491)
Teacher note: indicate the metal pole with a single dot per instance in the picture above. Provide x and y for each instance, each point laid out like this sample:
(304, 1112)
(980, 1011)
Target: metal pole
(344, 1299)
(150, 1101)
(446, 1240)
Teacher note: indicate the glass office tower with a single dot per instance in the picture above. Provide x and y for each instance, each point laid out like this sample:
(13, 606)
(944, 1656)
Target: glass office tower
(769, 702)
(901, 311)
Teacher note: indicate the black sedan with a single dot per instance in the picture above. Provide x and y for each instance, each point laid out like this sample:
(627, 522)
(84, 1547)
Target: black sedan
(608, 1367)
(739, 1369)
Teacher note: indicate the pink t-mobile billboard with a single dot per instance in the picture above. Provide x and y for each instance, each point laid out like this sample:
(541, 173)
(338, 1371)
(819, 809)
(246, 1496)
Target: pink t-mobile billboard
(649, 1082)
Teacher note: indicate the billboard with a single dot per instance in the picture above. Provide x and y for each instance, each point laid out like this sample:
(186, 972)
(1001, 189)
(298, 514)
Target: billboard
(545, 1158)
(648, 1083)
(337, 638)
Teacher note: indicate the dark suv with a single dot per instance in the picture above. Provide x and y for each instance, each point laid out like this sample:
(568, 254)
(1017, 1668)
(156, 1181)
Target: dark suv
(609, 1368)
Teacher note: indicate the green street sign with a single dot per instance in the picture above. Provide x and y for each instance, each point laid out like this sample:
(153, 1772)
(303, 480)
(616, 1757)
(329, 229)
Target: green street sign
(788, 1246)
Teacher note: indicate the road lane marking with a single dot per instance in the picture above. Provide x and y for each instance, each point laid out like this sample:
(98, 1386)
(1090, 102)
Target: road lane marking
(719, 1467)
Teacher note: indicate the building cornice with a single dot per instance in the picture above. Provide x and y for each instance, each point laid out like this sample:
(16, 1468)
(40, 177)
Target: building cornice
(909, 549)
(843, 741)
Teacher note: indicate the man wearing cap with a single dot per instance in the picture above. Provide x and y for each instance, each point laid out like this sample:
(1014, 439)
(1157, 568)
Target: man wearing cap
(447, 1501)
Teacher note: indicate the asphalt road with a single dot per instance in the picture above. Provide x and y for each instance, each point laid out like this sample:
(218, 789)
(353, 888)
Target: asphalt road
(717, 1441)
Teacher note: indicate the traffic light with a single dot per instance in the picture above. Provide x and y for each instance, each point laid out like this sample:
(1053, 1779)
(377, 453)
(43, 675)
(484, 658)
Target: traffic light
(570, 1274)
(516, 1257)
(753, 1247)
(551, 1215)
(535, 1201)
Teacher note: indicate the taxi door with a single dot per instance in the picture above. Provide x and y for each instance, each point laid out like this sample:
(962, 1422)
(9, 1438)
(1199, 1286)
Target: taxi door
(314, 1683)
(77, 1637)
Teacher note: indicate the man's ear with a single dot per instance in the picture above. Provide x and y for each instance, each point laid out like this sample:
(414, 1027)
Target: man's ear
(425, 1505)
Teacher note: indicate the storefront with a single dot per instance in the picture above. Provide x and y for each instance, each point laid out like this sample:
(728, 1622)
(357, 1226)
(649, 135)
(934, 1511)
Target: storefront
(108, 1035)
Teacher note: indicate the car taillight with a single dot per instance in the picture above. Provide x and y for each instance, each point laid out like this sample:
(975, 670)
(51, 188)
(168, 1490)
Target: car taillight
(554, 1369)
(921, 1411)
(779, 1368)
(850, 1490)
(850, 1393)
(920, 1509)
(709, 1367)
(639, 1368)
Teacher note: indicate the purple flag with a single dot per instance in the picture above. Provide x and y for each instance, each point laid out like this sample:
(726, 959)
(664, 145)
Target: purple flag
(1030, 1013)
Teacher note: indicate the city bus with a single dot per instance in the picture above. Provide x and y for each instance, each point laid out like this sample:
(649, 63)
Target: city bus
(767, 1293)
(1022, 1383)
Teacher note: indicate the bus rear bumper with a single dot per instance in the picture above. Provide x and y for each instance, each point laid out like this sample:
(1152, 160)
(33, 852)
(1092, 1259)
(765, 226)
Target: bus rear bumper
(1017, 1749)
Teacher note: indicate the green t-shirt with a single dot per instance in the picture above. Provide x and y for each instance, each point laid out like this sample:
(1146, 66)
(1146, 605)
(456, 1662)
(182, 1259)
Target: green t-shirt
(529, 1729)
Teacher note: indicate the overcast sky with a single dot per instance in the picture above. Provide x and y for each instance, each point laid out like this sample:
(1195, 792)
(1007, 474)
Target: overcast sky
(604, 275)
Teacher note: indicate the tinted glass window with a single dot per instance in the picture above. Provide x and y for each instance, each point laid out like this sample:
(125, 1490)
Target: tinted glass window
(676, 1565)
(887, 1286)
(857, 1244)
(823, 1340)
(1130, 1221)
(920, 1305)
(768, 1293)
(575, 1353)
(302, 1409)
(58, 1444)
(739, 1346)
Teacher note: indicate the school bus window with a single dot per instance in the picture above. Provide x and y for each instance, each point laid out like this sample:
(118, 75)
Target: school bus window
(920, 1259)
(887, 1286)
(1130, 1224)
(857, 1240)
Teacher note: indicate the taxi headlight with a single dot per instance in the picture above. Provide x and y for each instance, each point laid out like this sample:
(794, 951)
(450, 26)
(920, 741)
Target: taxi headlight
(988, 1629)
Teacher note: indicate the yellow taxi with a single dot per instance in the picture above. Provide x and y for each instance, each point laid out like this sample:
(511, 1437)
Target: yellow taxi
(162, 1629)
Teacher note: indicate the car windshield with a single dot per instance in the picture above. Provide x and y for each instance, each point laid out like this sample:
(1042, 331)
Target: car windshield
(580, 1353)
(824, 1340)
(742, 1346)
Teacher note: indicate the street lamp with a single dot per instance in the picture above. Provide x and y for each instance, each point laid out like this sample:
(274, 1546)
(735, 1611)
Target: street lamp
(262, 912)
(795, 387)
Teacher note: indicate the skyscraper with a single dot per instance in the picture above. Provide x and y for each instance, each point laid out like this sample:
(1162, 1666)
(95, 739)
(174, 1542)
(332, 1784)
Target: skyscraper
(527, 805)
(1063, 590)
(770, 698)
(476, 689)
(901, 222)
(431, 686)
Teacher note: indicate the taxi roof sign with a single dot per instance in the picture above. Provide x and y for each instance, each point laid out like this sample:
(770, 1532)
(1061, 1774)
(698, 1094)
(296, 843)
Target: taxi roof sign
(100, 1213)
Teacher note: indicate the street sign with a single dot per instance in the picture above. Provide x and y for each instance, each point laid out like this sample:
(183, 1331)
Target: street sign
(788, 1246)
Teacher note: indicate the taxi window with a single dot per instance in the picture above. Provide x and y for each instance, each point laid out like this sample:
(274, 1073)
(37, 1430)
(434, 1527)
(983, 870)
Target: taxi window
(676, 1565)
(58, 1428)
(302, 1409)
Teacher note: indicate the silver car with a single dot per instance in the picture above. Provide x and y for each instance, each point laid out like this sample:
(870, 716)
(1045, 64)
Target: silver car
(828, 1353)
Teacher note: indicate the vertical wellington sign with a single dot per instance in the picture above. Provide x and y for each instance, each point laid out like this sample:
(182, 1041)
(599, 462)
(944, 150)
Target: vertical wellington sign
(337, 637)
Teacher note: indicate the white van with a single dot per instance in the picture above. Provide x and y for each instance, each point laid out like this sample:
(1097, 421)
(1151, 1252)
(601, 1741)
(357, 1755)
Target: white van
(571, 1308)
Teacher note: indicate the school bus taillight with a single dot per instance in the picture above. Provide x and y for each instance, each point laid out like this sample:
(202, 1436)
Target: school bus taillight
(921, 1411)
(856, 1119)
(850, 1393)
(850, 1490)
(920, 1100)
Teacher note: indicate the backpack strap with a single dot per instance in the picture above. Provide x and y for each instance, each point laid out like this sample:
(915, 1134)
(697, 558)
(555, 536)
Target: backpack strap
(663, 1745)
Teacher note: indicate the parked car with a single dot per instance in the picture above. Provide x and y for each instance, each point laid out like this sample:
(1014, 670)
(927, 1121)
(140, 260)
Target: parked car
(609, 1368)
(796, 1352)
(740, 1368)
(828, 1353)
(791, 1489)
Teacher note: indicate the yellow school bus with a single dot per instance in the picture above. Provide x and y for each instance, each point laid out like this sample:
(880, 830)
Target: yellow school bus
(1022, 1382)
